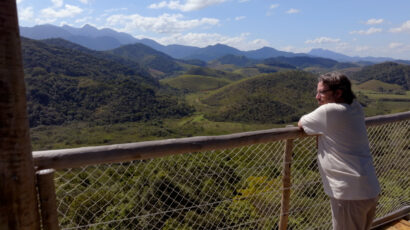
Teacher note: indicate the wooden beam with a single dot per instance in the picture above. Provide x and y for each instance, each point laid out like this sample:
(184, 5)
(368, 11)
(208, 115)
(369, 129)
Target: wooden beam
(384, 119)
(72, 158)
(18, 199)
(47, 197)
(286, 184)
(77, 157)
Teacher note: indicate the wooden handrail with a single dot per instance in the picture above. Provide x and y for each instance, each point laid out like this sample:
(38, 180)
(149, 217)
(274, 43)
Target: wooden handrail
(78, 157)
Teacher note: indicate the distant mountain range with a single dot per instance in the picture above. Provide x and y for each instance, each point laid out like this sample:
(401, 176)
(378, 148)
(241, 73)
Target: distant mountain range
(107, 39)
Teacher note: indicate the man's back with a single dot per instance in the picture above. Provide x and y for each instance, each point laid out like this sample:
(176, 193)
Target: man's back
(344, 158)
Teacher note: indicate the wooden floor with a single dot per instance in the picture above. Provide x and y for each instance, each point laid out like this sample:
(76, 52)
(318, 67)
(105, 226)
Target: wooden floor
(397, 225)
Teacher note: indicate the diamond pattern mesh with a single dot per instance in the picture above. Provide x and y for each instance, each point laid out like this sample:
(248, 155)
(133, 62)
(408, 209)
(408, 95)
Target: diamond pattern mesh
(236, 188)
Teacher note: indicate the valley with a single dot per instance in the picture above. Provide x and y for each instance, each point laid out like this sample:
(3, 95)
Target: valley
(82, 97)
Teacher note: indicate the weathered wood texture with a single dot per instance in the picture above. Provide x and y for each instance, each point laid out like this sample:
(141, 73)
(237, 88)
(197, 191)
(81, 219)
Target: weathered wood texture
(71, 158)
(384, 119)
(77, 157)
(47, 197)
(286, 183)
(18, 200)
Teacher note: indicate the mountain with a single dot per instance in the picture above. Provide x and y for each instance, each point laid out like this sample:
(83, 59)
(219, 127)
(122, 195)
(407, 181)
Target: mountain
(330, 54)
(87, 36)
(213, 52)
(66, 85)
(107, 39)
(143, 71)
(270, 98)
(344, 58)
(235, 60)
(158, 62)
(388, 72)
(268, 52)
(303, 61)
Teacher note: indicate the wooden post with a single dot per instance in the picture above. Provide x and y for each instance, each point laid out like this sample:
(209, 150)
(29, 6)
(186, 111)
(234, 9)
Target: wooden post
(18, 199)
(284, 210)
(47, 197)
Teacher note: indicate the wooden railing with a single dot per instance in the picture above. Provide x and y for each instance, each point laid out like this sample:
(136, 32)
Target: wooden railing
(78, 157)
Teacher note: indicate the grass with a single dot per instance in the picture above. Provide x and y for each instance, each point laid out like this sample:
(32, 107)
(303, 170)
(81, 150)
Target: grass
(383, 98)
(195, 83)
(379, 86)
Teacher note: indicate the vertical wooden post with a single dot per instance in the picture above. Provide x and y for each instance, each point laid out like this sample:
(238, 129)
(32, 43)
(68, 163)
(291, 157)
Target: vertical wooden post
(47, 197)
(18, 199)
(284, 210)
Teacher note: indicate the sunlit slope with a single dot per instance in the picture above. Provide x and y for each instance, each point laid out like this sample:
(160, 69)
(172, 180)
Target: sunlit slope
(388, 72)
(195, 83)
(379, 86)
(272, 98)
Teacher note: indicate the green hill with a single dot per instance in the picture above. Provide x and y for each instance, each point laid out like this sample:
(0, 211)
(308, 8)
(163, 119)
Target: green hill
(381, 87)
(66, 85)
(195, 83)
(148, 57)
(388, 72)
(235, 60)
(271, 98)
(214, 73)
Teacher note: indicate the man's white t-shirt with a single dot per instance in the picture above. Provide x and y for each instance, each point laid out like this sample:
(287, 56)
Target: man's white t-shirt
(344, 158)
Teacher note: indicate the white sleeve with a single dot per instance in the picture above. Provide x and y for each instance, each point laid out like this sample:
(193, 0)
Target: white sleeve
(314, 122)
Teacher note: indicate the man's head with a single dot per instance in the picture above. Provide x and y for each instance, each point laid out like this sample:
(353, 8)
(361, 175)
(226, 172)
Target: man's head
(334, 88)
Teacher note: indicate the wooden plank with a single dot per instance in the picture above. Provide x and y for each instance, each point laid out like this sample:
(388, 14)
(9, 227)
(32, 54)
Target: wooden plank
(18, 199)
(71, 158)
(47, 197)
(286, 184)
(77, 157)
(384, 119)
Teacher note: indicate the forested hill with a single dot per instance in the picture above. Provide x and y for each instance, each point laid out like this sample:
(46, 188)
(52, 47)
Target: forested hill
(271, 98)
(149, 57)
(39, 57)
(65, 85)
(388, 72)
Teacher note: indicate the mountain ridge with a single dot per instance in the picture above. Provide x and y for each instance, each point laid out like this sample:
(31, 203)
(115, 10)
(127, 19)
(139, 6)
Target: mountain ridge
(106, 39)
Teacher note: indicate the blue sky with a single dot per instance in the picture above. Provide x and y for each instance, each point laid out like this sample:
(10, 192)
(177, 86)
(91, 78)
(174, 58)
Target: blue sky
(352, 27)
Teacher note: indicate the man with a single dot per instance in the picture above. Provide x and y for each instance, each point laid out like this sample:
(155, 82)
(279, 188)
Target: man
(344, 159)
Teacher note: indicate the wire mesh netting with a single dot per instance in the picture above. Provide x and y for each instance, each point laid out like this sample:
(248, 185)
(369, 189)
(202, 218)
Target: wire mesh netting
(238, 188)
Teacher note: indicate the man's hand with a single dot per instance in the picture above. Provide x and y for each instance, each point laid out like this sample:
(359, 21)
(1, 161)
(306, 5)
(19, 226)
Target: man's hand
(300, 125)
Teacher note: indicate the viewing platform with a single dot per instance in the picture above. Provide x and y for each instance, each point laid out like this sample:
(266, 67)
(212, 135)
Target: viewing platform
(265, 179)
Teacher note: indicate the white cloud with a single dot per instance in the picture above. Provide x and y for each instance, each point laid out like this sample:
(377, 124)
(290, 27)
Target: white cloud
(273, 6)
(115, 10)
(26, 14)
(292, 11)
(240, 42)
(240, 18)
(362, 48)
(394, 45)
(19, 1)
(165, 23)
(374, 21)
(67, 11)
(404, 27)
(188, 5)
(84, 1)
(83, 20)
(323, 40)
(57, 3)
(371, 30)
(295, 49)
